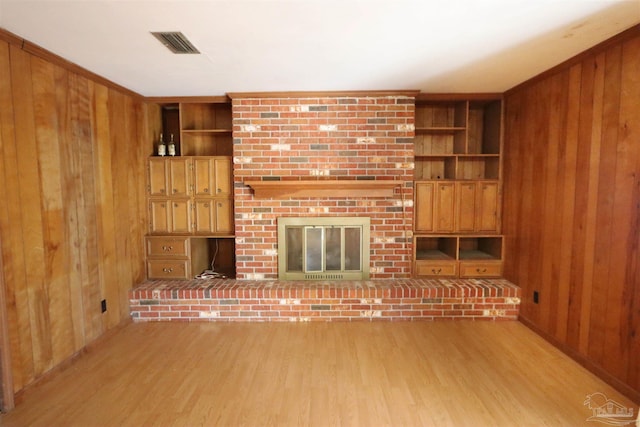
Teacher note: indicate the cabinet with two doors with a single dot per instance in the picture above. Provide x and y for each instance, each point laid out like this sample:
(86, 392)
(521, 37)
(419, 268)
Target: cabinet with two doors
(458, 187)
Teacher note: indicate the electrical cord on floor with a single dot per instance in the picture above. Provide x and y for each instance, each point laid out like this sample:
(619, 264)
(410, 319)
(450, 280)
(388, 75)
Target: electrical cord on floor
(212, 274)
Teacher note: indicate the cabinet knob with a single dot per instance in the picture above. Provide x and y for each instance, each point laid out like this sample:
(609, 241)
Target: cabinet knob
(167, 270)
(205, 190)
(206, 205)
(219, 204)
(219, 190)
(175, 191)
(481, 270)
(167, 248)
(175, 205)
(162, 190)
(434, 271)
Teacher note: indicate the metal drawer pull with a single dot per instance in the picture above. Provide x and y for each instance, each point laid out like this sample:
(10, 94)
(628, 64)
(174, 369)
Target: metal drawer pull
(205, 190)
(167, 248)
(168, 270)
(434, 271)
(481, 270)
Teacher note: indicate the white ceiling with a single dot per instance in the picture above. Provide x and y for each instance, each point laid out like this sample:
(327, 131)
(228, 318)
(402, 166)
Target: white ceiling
(318, 45)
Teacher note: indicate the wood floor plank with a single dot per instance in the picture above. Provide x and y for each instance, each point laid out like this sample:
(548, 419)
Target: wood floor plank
(317, 374)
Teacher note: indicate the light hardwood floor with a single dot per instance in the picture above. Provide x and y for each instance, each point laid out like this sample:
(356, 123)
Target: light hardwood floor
(321, 374)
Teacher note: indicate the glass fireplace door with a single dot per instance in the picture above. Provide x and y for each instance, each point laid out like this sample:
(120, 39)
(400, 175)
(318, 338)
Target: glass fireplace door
(329, 250)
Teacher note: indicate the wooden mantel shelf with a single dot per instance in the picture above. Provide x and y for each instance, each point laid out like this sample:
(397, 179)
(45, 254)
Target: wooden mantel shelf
(322, 188)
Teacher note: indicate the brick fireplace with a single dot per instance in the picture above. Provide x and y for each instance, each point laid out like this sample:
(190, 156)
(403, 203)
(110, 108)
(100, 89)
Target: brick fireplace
(306, 140)
(324, 157)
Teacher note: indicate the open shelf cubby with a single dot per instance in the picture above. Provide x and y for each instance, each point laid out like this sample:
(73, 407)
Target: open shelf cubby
(480, 248)
(436, 248)
(205, 116)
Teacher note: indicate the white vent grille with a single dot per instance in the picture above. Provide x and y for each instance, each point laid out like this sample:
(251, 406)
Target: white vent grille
(175, 41)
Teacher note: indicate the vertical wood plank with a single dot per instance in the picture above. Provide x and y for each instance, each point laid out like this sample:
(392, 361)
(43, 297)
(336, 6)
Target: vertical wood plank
(568, 177)
(531, 186)
(606, 104)
(80, 120)
(120, 173)
(32, 297)
(8, 321)
(548, 209)
(105, 214)
(592, 192)
(618, 192)
(70, 189)
(56, 249)
(511, 208)
(136, 198)
(577, 281)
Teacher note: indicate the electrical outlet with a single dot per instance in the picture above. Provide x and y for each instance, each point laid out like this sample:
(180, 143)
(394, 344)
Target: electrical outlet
(103, 305)
(536, 297)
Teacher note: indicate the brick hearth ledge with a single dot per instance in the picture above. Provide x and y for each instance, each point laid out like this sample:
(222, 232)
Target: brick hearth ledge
(260, 301)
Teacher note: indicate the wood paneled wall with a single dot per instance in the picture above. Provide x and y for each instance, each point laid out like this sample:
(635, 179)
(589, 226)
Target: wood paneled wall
(73, 215)
(572, 206)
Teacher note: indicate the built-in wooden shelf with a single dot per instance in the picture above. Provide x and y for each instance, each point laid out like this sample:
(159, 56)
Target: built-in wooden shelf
(322, 188)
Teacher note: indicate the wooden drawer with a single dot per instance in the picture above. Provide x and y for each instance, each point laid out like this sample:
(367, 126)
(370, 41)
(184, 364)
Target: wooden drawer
(436, 268)
(480, 268)
(167, 247)
(168, 269)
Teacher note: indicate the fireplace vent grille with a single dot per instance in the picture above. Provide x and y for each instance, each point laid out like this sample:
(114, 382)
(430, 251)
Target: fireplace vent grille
(323, 277)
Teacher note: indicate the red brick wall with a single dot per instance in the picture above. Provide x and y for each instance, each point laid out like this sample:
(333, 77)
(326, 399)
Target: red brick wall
(323, 138)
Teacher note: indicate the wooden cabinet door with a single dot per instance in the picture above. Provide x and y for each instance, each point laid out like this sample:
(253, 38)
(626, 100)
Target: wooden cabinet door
(487, 207)
(169, 216)
(157, 176)
(212, 176)
(424, 207)
(224, 216)
(179, 172)
(159, 216)
(213, 216)
(204, 216)
(203, 184)
(222, 176)
(444, 203)
(180, 216)
(466, 206)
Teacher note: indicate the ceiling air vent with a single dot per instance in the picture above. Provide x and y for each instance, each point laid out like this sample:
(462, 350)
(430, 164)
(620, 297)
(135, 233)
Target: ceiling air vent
(175, 41)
